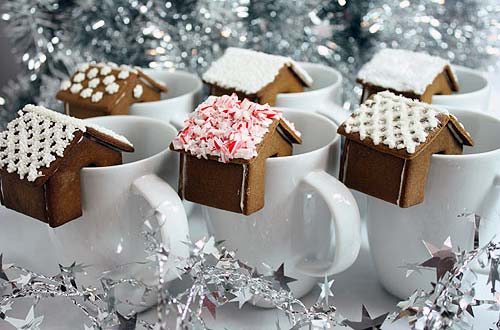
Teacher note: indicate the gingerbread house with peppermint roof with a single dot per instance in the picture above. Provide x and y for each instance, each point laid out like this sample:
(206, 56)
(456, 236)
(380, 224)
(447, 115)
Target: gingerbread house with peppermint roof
(41, 155)
(414, 75)
(224, 147)
(255, 75)
(107, 89)
(389, 143)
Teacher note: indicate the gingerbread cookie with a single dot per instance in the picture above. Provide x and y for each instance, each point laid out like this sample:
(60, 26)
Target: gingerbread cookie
(389, 143)
(41, 155)
(224, 147)
(414, 75)
(255, 75)
(107, 89)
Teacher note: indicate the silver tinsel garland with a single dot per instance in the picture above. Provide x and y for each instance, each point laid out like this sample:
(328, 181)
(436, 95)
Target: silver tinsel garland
(216, 277)
(50, 36)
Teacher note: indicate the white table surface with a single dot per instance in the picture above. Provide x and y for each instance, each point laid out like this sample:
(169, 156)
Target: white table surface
(23, 241)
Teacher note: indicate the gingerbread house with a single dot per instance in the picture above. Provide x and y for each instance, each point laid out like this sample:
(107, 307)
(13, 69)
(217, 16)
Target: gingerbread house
(224, 147)
(256, 76)
(389, 143)
(107, 89)
(41, 155)
(414, 75)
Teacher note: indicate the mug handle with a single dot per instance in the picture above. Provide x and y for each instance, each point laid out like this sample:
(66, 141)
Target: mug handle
(344, 218)
(169, 212)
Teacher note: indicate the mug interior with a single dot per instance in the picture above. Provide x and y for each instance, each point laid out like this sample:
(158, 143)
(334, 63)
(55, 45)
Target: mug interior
(484, 129)
(178, 83)
(469, 81)
(317, 131)
(149, 137)
(322, 76)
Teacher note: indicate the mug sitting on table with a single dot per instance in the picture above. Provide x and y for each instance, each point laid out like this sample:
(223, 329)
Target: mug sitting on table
(310, 221)
(456, 185)
(114, 201)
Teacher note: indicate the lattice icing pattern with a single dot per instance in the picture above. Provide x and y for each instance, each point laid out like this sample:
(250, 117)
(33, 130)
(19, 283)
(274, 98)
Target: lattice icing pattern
(402, 70)
(227, 128)
(38, 136)
(395, 121)
(89, 77)
(249, 71)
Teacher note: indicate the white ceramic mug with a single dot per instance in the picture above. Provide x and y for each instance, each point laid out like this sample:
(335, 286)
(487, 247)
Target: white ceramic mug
(456, 184)
(473, 94)
(184, 94)
(324, 96)
(310, 221)
(108, 235)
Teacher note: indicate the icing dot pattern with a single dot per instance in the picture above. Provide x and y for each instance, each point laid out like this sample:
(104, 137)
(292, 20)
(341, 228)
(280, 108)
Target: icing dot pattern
(99, 74)
(395, 121)
(37, 137)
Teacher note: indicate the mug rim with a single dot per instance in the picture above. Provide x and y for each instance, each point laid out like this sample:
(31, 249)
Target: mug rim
(462, 68)
(198, 88)
(452, 110)
(137, 162)
(336, 139)
(326, 68)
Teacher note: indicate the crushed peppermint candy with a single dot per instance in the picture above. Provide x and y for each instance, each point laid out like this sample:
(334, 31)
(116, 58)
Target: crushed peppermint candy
(65, 85)
(395, 121)
(37, 137)
(76, 88)
(227, 128)
(97, 96)
(138, 90)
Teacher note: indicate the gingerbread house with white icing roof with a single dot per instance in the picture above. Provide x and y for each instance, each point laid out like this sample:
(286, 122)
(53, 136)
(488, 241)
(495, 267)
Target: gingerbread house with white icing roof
(99, 89)
(224, 146)
(41, 155)
(389, 143)
(414, 75)
(255, 75)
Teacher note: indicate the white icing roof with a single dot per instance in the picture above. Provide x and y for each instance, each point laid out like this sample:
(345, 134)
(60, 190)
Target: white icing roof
(249, 71)
(402, 70)
(37, 137)
(395, 121)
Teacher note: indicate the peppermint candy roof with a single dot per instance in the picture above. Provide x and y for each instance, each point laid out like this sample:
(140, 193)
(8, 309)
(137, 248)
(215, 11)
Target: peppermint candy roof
(39, 136)
(399, 123)
(403, 70)
(227, 128)
(249, 71)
